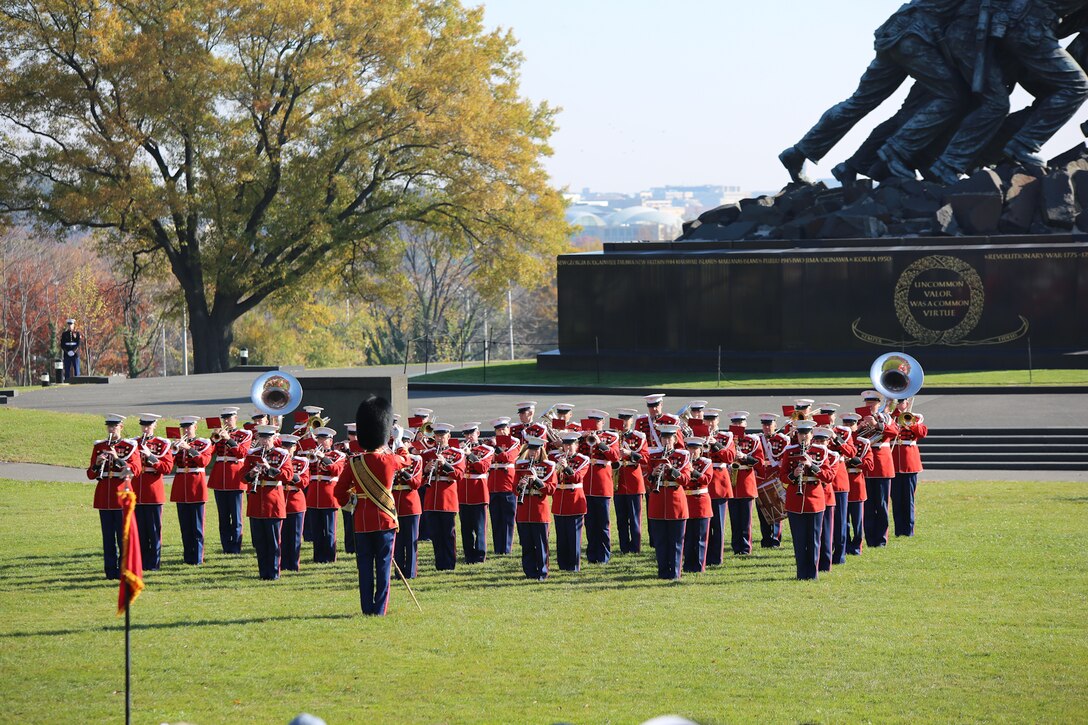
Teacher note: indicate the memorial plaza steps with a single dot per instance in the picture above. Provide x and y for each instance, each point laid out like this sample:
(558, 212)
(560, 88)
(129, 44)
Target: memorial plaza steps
(1007, 449)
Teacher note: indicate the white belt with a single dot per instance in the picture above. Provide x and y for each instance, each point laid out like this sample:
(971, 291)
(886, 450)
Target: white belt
(697, 492)
(477, 476)
(810, 479)
(292, 488)
(853, 470)
(269, 483)
(228, 459)
(744, 468)
(882, 445)
(569, 486)
(502, 466)
(120, 475)
(629, 464)
(443, 480)
(601, 463)
(907, 443)
(189, 470)
(327, 479)
(720, 466)
(402, 487)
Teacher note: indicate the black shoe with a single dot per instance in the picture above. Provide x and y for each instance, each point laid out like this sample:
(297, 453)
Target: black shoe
(1024, 156)
(942, 173)
(845, 175)
(896, 166)
(794, 161)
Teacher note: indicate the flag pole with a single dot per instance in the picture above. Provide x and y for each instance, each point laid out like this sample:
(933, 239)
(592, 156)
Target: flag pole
(128, 660)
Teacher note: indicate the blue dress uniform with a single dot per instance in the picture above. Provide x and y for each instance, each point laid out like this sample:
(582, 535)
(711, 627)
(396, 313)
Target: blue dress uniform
(669, 471)
(70, 341)
(599, 482)
(858, 468)
(745, 485)
(321, 506)
(114, 461)
(156, 460)
(722, 451)
(472, 495)
(629, 492)
(771, 443)
(804, 471)
(189, 492)
(819, 448)
(416, 421)
(648, 425)
(878, 484)
(295, 495)
(444, 466)
(231, 447)
(569, 503)
(502, 503)
(406, 483)
(535, 476)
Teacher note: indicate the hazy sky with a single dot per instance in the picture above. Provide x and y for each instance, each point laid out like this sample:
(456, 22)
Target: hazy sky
(695, 91)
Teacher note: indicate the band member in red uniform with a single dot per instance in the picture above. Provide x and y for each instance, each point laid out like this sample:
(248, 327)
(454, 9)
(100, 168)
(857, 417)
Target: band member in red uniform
(443, 467)
(878, 484)
(857, 467)
(744, 482)
(697, 490)
(526, 410)
(821, 436)
(350, 448)
(842, 445)
(500, 486)
(603, 450)
(190, 488)
(114, 462)
(722, 451)
(569, 501)
(294, 494)
(804, 471)
(472, 493)
(908, 464)
(631, 485)
(670, 469)
(647, 424)
(369, 479)
(326, 465)
(268, 468)
(230, 446)
(406, 483)
(771, 445)
(156, 460)
(421, 418)
(535, 476)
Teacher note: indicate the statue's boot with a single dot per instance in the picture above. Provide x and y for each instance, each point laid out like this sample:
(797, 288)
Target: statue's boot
(845, 175)
(1021, 154)
(942, 173)
(794, 161)
(897, 166)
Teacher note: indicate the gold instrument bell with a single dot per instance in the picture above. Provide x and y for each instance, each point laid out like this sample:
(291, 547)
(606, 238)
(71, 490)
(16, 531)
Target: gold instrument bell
(276, 393)
(896, 376)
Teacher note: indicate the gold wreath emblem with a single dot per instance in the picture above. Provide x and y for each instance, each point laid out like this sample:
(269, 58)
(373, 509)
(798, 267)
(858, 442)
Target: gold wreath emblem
(975, 304)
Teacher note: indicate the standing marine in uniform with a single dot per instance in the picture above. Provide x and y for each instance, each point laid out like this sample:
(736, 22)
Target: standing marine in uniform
(156, 460)
(500, 485)
(804, 472)
(569, 501)
(268, 469)
(294, 494)
(472, 493)
(908, 464)
(602, 449)
(70, 342)
(670, 469)
(858, 467)
(630, 485)
(368, 479)
(349, 448)
(326, 464)
(406, 483)
(443, 467)
(744, 468)
(535, 476)
(881, 431)
(231, 445)
(697, 490)
(114, 461)
(721, 451)
(190, 488)
(771, 444)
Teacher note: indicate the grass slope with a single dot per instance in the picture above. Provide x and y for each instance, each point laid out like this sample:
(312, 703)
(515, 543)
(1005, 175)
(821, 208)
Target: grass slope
(978, 618)
(526, 373)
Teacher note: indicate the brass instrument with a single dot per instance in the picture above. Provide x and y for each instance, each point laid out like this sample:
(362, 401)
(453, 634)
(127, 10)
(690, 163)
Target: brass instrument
(907, 418)
(659, 470)
(276, 393)
(894, 375)
(438, 458)
(109, 456)
(185, 438)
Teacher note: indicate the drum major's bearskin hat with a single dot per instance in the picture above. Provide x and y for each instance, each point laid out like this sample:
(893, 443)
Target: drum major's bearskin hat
(373, 421)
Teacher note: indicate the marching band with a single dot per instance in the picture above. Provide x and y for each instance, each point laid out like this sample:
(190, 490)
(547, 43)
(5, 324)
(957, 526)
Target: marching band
(831, 481)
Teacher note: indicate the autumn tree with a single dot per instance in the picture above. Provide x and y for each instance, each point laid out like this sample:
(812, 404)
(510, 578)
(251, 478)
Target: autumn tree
(255, 143)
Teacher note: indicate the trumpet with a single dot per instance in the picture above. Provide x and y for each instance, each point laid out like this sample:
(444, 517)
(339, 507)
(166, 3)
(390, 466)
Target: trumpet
(908, 418)
(107, 457)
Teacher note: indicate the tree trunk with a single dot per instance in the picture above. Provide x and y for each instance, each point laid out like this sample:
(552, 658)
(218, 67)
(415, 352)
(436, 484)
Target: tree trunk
(212, 337)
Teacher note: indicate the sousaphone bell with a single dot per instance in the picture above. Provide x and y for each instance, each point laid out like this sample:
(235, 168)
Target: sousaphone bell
(896, 376)
(276, 393)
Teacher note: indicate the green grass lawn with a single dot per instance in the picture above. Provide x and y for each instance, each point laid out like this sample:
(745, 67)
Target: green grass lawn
(980, 617)
(61, 439)
(525, 372)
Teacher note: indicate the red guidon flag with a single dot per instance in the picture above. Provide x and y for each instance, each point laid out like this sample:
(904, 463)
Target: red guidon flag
(132, 562)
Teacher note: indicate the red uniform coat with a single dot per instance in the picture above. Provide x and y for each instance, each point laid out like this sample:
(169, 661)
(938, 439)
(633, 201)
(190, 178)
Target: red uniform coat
(721, 485)
(266, 498)
(805, 493)
(745, 484)
(697, 488)
(631, 480)
(845, 449)
(858, 473)
(406, 485)
(905, 448)
(295, 493)
(368, 518)
(117, 476)
(472, 488)
(500, 476)
(829, 486)
(883, 463)
(599, 480)
(349, 448)
(441, 495)
(323, 479)
(772, 448)
(569, 498)
(190, 482)
(148, 485)
(230, 454)
(533, 507)
(669, 502)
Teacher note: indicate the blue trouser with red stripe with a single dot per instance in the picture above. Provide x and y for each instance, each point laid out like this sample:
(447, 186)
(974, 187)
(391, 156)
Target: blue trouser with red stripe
(191, 521)
(374, 558)
(229, 506)
(715, 544)
(903, 488)
(534, 549)
(266, 541)
(568, 541)
(149, 522)
(405, 547)
(855, 522)
(805, 531)
(770, 534)
(291, 541)
(112, 532)
(598, 530)
(503, 507)
(876, 511)
(826, 529)
(349, 531)
(629, 522)
(670, 547)
(695, 538)
(473, 531)
(838, 538)
(443, 527)
(324, 531)
(740, 522)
